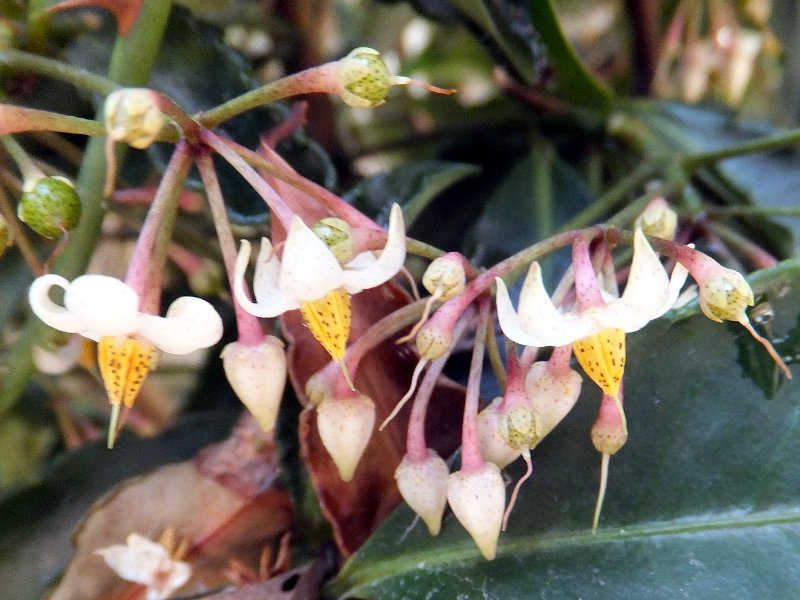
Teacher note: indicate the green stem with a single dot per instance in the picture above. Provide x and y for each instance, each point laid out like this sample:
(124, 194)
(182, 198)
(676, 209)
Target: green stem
(18, 60)
(30, 172)
(131, 62)
(771, 211)
(764, 144)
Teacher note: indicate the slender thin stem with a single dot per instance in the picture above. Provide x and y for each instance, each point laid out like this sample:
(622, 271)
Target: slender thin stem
(770, 211)
(30, 172)
(18, 60)
(753, 252)
(247, 324)
(763, 144)
(19, 236)
(471, 459)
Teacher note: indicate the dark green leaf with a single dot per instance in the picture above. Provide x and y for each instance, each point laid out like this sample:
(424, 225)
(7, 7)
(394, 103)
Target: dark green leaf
(703, 502)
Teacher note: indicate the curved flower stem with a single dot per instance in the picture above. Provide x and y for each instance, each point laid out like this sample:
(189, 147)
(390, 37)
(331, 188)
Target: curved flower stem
(748, 210)
(753, 252)
(30, 172)
(141, 42)
(292, 85)
(416, 446)
(762, 144)
(160, 219)
(19, 60)
(227, 150)
(471, 459)
(494, 354)
(247, 325)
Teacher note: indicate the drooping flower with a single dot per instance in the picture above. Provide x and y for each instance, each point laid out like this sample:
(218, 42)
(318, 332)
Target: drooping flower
(309, 277)
(147, 563)
(648, 295)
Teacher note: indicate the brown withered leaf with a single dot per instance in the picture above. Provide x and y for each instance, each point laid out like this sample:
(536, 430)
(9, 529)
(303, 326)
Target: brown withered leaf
(224, 503)
(125, 11)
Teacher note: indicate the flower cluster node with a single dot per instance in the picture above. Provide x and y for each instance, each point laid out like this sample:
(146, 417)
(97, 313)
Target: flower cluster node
(50, 206)
(423, 485)
(338, 236)
(520, 427)
(345, 426)
(658, 219)
(445, 277)
(133, 116)
(258, 375)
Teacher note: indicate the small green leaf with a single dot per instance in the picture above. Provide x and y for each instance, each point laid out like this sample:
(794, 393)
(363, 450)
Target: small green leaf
(703, 501)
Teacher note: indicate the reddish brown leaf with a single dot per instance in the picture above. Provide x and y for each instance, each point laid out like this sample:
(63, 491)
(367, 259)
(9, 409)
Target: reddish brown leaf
(125, 11)
(223, 503)
(356, 508)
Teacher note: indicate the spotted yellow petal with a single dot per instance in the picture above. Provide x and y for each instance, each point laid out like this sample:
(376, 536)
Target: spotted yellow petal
(329, 321)
(124, 363)
(602, 356)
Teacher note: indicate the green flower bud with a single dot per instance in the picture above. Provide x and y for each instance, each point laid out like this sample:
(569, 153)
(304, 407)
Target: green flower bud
(337, 235)
(50, 207)
(520, 427)
(364, 78)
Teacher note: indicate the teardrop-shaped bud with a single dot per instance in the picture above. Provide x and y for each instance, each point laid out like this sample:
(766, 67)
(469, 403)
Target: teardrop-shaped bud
(478, 501)
(658, 219)
(423, 485)
(446, 274)
(520, 427)
(50, 206)
(338, 236)
(345, 426)
(133, 115)
(494, 448)
(258, 375)
(608, 431)
(551, 395)
(364, 78)
(725, 296)
(433, 340)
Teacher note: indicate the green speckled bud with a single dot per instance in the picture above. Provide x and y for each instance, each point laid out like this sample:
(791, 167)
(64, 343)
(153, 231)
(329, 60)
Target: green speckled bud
(51, 207)
(520, 427)
(726, 296)
(364, 78)
(337, 235)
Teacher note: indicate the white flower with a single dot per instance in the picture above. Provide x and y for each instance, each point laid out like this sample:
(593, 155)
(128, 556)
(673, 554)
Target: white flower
(98, 306)
(309, 270)
(147, 563)
(648, 295)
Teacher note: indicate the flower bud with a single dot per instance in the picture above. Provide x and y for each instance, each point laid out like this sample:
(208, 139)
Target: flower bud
(658, 219)
(345, 426)
(446, 274)
(520, 427)
(338, 236)
(478, 501)
(50, 206)
(608, 431)
(494, 448)
(363, 78)
(551, 396)
(725, 295)
(423, 485)
(133, 116)
(257, 374)
(433, 341)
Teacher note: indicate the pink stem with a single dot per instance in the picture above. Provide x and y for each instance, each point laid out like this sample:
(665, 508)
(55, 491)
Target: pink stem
(231, 151)
(559, 363)
(587, 290)
(471, 459)
(247, 325)
(515, 385)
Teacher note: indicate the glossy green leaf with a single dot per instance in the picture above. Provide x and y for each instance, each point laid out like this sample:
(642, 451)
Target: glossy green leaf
(703, 501)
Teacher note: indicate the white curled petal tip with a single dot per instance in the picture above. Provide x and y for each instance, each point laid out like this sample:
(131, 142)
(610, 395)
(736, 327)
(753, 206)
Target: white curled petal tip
(676, 281)
(309, 270)
(272, 302)
(387, 264)
(509, 320)
(48, 311)
(190, 324)
(648, 285)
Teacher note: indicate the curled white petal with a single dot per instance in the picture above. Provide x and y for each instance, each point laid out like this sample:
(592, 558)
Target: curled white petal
(271, 300)
(387, 264)
(190, 324)
(94, 305)
(309, 270)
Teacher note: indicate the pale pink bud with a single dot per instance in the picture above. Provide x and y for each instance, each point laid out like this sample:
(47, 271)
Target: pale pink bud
(257, 374)
(552, 396)
(133, 115)
(494, 448)
(658, 219)
(423, 485)
(478, 501)
(345, 426)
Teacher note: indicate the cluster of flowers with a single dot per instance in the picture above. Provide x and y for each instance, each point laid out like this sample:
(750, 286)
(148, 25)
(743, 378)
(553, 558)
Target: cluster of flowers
(319, 265)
